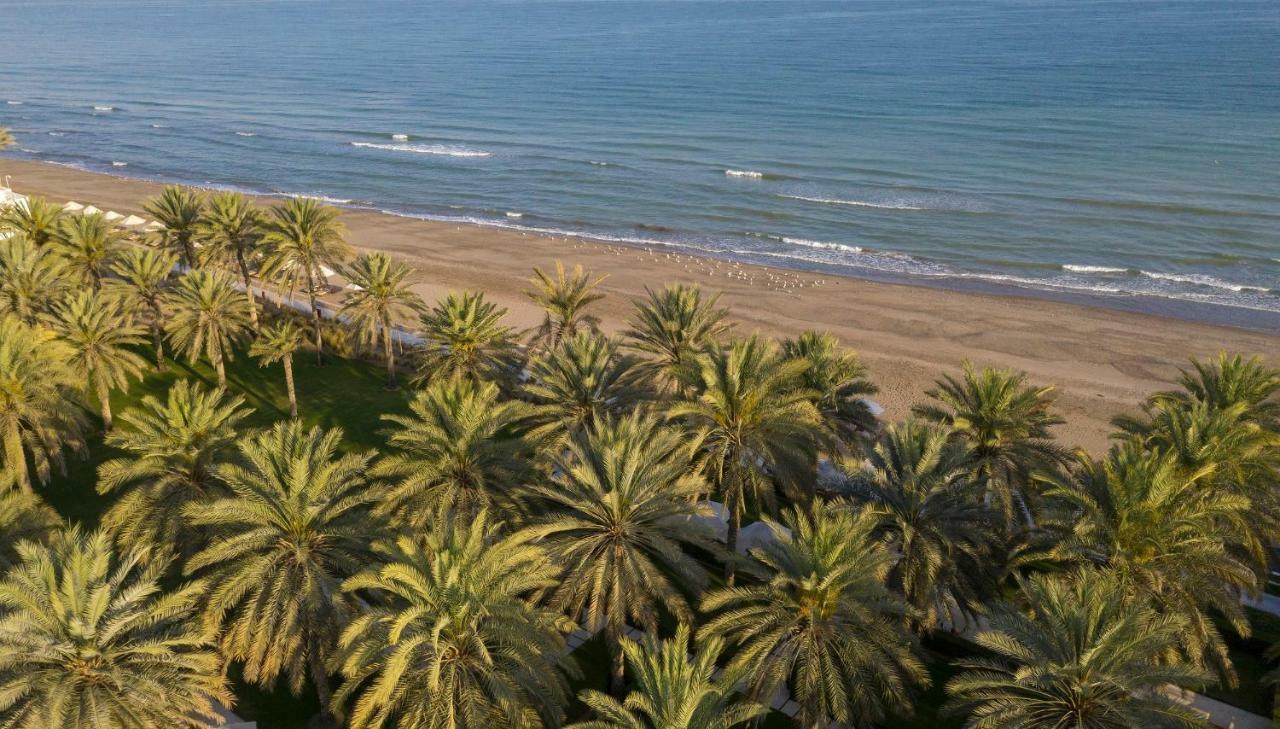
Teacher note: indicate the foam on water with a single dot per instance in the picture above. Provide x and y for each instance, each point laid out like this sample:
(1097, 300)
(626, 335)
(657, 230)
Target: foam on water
(14, 103)
(1092, 269)
(246, 134)
(822, 244)
(104, 108)
(889, 205)
(400, 137)
(517, 216)
(444, 150)
(116, 163)
(750, 174)
(1200, 279)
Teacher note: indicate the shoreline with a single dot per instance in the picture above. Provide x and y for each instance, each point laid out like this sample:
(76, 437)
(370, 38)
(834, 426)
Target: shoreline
(1103, 360)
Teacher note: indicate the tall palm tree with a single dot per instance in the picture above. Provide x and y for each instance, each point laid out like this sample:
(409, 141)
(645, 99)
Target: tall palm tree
(1228, 380)
(671, 326)
(178, 210)
(451, 639)
(823, 622)
(564, 301)
(89, 638)
(36, 218)
(463, 336)
(276, 343)
(102, 338)
(756, 427)
(672, 688)
(459, 448)
(304, 235)
(207, 318)
(381, 295)
(298, 522)
(1084, 654)
(31, 279)
(40, 413)
(143, 285)
(230, 229)
(23, 518)
(577, 384)
(837, 383)
(620, 513)
(88, 246)
(171, 449)
(1005, 424)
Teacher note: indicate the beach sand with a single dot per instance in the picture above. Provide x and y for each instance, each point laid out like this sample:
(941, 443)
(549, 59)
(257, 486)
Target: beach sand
(1104, 362)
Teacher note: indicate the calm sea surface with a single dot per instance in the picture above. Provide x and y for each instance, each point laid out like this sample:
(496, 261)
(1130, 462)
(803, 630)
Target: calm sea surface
(1124, 150)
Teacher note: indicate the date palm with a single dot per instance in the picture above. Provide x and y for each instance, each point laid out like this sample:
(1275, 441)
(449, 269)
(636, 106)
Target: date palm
(230, 229)
(463, 336)
(564, 301)
(451, 639)
(90, 638)
(823, 622)
(178, 209)
(303, 235)
(36, 218)
(102, 338)
(88, 246)
(297, 523)
(672, 326)
(578, 383)
(143, 284)
(6, 139)
(1085, 653)
(276, 343)
(23, 517)
(381, 296)
(31, 279)
(837, 382)
(1229, 380)
(672, 688)
(207, 319)
(459, 448)
(620, 510)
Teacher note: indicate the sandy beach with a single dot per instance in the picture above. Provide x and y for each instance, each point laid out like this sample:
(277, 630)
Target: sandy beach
(1103, 361)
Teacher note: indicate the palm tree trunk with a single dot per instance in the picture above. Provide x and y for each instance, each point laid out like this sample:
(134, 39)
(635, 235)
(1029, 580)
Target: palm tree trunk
(221, 370)
(315, 317)
(390, 355)
(248, 288)
(104, 396)
(617, 677)
(731, 537)
(188, 254)
(15, 459)
(321, 679)
(288, 385)
(157, 336)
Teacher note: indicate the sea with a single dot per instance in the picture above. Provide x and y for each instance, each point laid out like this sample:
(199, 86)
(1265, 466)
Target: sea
(1125, 153)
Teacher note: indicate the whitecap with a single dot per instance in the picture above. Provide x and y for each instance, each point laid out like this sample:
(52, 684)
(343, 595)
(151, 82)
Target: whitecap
(1092, 269)
(887, 205)
(750, 174)
(327, 199)
(119, 164)
(597, 163)
(400, 137)
(246, 134)
(517, 216)
(1200, 279)
(822, 244)
(104, 108)
(444, 150)
(56, 134)
(14, 103)
(159, 126)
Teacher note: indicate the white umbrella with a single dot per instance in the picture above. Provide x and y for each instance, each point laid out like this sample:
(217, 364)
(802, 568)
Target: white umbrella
(72, 206)
(113, 216)
(132, 221)
(91, 210)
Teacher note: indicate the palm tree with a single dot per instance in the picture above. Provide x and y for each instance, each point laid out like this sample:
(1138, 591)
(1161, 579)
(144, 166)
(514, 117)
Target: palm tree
(1229, 380)
(36, 218)
(381, 295)
(297, 523)
(823, 622)
(577, 384)
(451, 640)
(463, 336)
(1086, 654)
(1005, 425)
(207, 318)
(171, 449)
(673, 688)
(303, 236)
(143, 285)
(101, 337)
(230, 228)
(6, 139)
(838, 386)
(459, 448)
(88, 246)
(23, 518)
(40, 415)
(89, 638)
(620, 513)
(31, 279)
(564, 300)
(756, 427)
(277, 343)
(672, 326)
(178, 210)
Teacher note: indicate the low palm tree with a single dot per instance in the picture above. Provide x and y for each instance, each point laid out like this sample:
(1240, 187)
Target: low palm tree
(577, 384)
(178, 210)
(102, 338)
(1228, 380)
(6, 139)
(143, 284)
(837, 383)
(672, 688)
(88, 246)
(230, 229)
(36, 218)
(620, 513)
(40, 413)
(564, 301)
(463, 336)
(207, 318)
(451, 639)
(459, 448)
(303, 236)
(89, 638)
(672, 326)
(276, 343)
(31, 279)
(381, 296)
(823, 622)
(1085, 653)
(297, 523)
(23, 518)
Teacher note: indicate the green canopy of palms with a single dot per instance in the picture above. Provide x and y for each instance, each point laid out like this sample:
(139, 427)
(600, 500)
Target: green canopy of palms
(463, 336)
(36, 218)
(230, 229)
(1228, 380)
(458, 448)
(671, 327)
(178, 209)
(451, 639)
(620, 514)
(171, 449)
(88, 246)
(40, 413)
(207, 318)
(823, 622)
(102, 338)
(23, 517)
(1084, 654)
(276, 343)
(303, 235)
(91, 639)
(837, 383)
(578, 383)
(564, 301)
(6, 139)
(297, 523)
(381, 296)
(142, 285)
(31, 279)
(672, 688)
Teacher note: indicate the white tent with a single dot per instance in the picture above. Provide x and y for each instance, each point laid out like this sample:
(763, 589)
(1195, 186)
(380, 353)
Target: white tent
(353, 287)
(713, 516)
(112, 216)
(91, 210)
(154, 225)
(327, 272)
(72, 206)
(760, 533)
(132, 221)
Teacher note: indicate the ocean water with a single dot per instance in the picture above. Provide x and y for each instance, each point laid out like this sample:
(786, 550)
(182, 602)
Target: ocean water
(1127, 151)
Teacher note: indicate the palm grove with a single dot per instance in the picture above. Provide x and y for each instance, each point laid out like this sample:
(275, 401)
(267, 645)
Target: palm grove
(545, 482)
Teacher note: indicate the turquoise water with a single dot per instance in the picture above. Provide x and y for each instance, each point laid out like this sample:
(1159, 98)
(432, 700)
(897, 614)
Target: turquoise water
(1122, 150)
